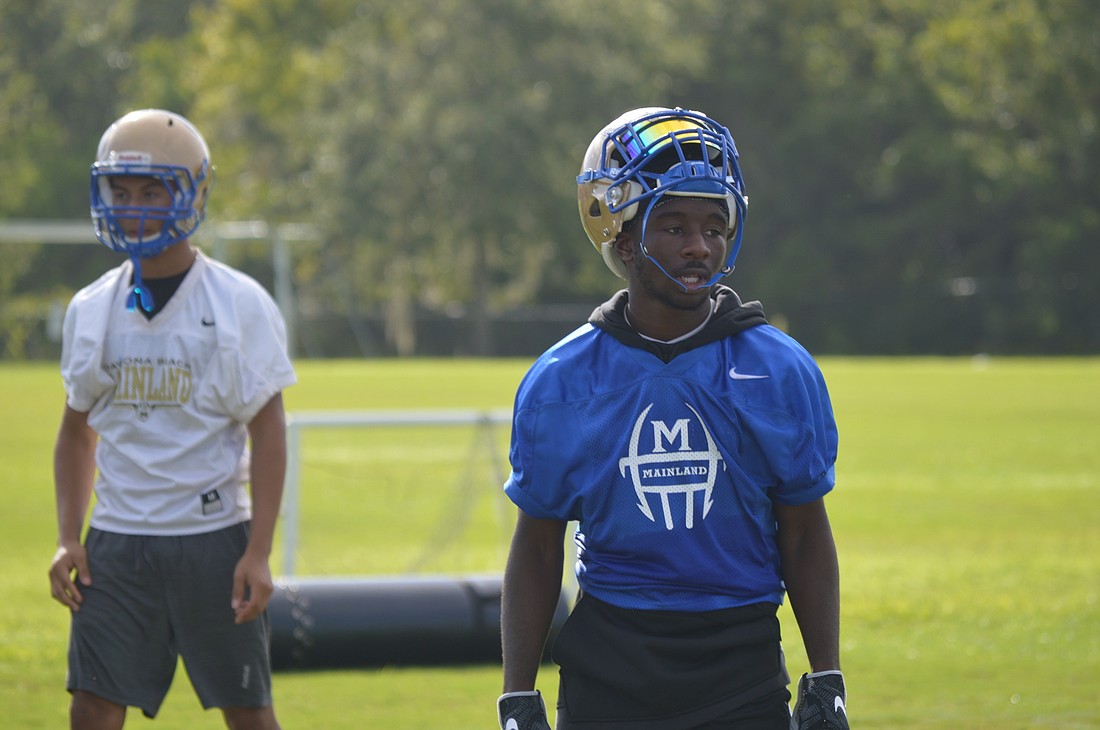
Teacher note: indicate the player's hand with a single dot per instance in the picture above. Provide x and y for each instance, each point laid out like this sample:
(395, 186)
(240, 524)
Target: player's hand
(522, 711)
(69, 557)
(820, 704)
(252, 587)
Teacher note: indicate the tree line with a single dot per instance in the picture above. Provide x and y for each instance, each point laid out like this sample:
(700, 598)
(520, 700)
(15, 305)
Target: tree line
(922, 175)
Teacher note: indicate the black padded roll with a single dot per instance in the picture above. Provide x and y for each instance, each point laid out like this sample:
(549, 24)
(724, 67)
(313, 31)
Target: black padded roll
(331, 623)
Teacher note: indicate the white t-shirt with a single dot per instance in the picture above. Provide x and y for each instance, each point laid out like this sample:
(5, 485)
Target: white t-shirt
(171, 397)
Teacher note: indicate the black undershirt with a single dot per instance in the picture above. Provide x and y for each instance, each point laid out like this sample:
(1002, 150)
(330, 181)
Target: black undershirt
(161, 290)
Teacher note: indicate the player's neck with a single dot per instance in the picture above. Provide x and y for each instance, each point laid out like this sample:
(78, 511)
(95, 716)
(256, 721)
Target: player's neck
(668, 329)
(173, 260)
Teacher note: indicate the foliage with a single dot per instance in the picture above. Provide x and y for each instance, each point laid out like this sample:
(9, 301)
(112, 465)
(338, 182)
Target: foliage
(922, 174)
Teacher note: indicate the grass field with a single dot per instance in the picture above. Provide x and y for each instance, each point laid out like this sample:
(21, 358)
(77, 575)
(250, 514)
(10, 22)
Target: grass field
(967, 516)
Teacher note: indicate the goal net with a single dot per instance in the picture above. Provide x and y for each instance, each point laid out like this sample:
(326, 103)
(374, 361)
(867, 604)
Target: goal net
(396, 493)
(394, 536)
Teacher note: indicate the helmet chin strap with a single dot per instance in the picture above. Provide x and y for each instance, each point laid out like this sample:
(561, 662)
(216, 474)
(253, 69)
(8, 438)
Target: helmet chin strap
(723, 272)
(139, 294)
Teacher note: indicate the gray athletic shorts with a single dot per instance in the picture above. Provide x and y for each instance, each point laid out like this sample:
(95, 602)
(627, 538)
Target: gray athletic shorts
(155, 599)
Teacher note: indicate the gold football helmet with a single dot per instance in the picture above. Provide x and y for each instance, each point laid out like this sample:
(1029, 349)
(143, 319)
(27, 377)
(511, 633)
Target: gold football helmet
(159, 144)
(650, 152)
(163, 146)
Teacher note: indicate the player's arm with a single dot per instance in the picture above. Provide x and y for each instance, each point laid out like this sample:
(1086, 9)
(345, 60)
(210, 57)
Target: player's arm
(532, 584)
(74, 474)
(252, 582)
(812, 577)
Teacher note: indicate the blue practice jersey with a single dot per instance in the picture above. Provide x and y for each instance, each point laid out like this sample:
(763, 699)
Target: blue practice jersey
(671, 468)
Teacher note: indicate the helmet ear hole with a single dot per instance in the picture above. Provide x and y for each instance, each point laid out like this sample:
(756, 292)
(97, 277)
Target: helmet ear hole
(633, 191)
(594, 209)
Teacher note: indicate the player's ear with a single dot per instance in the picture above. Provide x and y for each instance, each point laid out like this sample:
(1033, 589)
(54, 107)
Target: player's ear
(624, 247)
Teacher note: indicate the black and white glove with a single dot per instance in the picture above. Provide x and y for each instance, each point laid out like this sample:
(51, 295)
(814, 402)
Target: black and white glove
(522, 711)
(820, 704)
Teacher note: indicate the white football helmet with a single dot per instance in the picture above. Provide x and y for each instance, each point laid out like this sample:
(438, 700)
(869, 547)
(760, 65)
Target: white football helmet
(650, 152)
(159, 144)
(162, 145)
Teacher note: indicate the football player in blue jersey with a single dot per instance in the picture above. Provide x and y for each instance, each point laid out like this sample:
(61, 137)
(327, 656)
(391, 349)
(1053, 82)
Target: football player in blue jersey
(693, 444)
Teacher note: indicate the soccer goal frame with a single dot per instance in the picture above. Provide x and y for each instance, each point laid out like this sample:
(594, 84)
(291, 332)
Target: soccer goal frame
(301, 421)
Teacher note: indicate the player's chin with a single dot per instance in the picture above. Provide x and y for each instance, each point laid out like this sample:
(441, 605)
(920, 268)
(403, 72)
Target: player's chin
(688, 300)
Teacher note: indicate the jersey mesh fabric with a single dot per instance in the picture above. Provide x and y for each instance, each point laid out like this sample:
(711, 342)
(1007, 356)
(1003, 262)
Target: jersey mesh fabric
(671, 469)
(170, 397)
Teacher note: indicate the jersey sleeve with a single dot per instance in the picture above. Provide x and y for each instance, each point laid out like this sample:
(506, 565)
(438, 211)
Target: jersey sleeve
(251, 365)
(806, 470)
(83, 335)
(544, 453)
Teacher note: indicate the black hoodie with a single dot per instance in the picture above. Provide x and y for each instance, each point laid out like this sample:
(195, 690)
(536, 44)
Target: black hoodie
(730, 317)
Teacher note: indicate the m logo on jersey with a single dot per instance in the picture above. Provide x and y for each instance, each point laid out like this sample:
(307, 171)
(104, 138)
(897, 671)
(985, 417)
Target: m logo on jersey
(663, 465)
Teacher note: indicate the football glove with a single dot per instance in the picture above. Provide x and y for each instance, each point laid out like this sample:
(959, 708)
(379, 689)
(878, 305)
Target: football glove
(820, 704)
(522, 711)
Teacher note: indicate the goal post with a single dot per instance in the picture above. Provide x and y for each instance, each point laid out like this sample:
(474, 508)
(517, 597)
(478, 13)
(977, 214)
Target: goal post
(214, 237)
(299, 422)
(364, 514)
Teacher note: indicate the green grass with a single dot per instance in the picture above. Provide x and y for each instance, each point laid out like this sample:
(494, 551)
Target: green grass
(967, 516)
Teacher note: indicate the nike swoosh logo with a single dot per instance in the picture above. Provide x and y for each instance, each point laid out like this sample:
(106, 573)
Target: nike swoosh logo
(838, 706)
(734, 375)
(207, 324)
(512, 724)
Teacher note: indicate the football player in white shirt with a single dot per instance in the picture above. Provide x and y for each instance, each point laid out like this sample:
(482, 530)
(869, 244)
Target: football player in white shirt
(172, 364)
